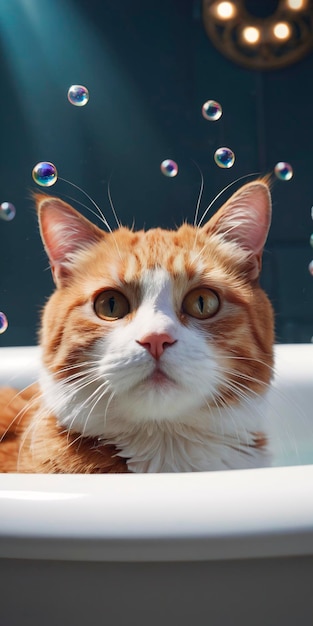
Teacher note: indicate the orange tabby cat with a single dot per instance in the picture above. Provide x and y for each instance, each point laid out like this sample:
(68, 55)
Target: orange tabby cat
(157, 347)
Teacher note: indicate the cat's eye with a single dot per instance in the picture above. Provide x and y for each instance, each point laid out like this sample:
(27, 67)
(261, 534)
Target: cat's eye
(111, 305)
(201, 303)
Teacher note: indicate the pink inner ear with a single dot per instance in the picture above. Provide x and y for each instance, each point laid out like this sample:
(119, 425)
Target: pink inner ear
(64, 232)
(245, 218)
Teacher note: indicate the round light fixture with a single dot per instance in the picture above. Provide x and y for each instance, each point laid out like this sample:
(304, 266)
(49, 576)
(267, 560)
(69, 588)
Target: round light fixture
(282, 31)
(296, 5)
(225, 10)
(260, 35)
(251, 34)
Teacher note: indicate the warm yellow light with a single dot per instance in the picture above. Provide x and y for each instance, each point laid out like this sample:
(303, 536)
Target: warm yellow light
(251, 34)
(282, 30)
(296, 5)
(225, 10)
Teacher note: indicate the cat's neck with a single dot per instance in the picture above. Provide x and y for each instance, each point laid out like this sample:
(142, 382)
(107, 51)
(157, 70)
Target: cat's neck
(226, 443)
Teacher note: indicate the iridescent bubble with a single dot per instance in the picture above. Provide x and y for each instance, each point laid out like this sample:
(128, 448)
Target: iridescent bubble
(311, 240)
(312, 212)
(78, 95)
(169, 168)
(7, 211)
(224, 157)
(212, 110)
(45, 174)
(311, 268)
(3, 323)
(283, 170)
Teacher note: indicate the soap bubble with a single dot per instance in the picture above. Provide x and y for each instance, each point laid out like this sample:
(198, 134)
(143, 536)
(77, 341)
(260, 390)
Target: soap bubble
(311, 240)
(224, 157)
(311, 268)
(78, 95)
(45, 174)
(283, 170)
(169, 168)
(7, 211)
(312, 212)
(212, 110)
(3, 323)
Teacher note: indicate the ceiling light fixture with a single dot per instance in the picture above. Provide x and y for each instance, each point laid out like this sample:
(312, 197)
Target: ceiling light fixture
(282, 30)
(296, 5)
(251, 34)
(225, 10)
(260, 35)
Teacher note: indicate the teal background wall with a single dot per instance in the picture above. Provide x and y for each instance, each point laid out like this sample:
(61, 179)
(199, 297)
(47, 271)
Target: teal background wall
(149, 66)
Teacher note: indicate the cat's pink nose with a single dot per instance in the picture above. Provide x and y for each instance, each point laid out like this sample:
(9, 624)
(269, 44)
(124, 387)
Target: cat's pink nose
(156, 343)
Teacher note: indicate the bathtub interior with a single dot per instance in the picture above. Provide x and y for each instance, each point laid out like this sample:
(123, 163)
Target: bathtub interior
(289, 416)
(209, 516)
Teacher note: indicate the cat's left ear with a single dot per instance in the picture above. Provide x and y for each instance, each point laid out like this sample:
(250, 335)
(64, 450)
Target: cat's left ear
(245, 220)
(64, 233)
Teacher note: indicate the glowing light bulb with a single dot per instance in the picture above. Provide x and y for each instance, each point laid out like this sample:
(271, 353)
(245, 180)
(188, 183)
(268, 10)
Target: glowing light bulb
(251, 34)
(282, 30)
(225, 10)
(296, 5)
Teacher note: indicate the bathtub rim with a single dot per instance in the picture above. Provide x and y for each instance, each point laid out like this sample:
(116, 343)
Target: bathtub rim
(231, 515)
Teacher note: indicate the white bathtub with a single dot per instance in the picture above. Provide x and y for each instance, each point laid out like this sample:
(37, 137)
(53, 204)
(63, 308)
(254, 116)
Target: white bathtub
(216, 549)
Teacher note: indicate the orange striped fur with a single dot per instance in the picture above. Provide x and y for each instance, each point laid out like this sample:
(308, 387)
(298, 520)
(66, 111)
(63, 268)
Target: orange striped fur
(179, 393)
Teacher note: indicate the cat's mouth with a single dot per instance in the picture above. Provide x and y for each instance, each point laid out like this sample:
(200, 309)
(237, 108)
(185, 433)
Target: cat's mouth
(159, 378)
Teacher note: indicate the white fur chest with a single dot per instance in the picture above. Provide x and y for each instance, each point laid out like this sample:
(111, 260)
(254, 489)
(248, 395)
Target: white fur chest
(226, 443)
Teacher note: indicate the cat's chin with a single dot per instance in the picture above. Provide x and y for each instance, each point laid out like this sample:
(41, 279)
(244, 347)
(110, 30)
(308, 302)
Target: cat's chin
(158, 399)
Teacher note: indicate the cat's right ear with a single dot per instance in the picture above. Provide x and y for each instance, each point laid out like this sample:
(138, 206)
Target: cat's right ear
(64, 233)
(245, 220)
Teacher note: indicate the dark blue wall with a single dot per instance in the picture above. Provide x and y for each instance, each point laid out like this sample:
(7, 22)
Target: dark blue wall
(149, 67)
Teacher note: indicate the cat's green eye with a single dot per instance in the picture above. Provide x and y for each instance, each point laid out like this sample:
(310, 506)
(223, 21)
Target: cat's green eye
(111, 305)
(201, 303)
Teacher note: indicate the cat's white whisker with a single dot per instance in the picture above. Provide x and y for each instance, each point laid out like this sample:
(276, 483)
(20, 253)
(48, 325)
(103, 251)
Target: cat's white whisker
(20, 415)
(85, 207)
(256, 361)
(231, 372)
(104, 220)
(30, 430)
(98, 394)
(79, 381)
(107, 407)
(222, 191)
(199, 196)
(111, 204)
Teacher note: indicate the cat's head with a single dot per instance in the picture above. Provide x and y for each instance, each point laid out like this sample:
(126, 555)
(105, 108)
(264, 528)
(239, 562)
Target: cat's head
(157, 326)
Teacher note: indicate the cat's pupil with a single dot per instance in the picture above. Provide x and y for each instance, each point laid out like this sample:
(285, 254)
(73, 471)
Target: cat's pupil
(111, 304)
(201, 304)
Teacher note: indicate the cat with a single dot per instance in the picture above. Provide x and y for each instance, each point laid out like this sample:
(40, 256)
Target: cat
(157, 347)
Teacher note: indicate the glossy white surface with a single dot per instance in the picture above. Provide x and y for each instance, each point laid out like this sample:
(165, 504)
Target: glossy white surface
(203, 516)
(217, 515)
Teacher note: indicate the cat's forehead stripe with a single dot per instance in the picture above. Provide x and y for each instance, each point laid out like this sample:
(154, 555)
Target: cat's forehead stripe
(156, 283)
(179, 263)
(131, 268)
